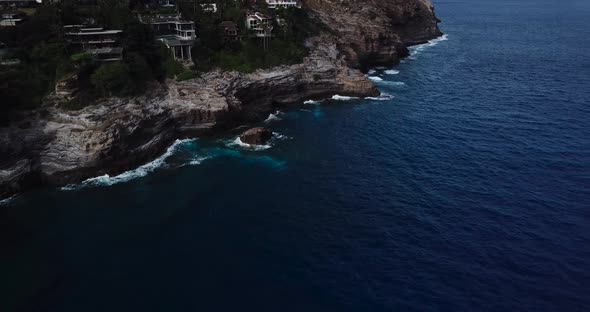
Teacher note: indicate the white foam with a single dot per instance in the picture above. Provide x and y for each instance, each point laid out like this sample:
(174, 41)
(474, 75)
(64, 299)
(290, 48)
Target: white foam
(395, 83)
(375, 78)
(8, 200)
(197, 160)
(379, 81)
(142, 171)
(415, 50)
(343, 98)
(279, 136)
(238, 142)
(372, 72)
(391, 72)
(273, 117)
(275, 137)
(311, 102)
(383, 97)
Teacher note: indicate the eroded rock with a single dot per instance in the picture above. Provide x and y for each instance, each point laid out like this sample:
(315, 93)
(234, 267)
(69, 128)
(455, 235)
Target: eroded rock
(256, 136)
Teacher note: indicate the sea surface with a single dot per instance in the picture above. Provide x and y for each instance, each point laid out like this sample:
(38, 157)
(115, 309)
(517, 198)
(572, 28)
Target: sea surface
(465, 187)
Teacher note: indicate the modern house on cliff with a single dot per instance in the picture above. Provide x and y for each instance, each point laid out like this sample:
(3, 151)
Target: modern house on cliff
(103, 45)
(259, 24)
(178, 35)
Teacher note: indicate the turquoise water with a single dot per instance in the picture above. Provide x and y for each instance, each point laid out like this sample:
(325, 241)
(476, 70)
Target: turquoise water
(463, 188)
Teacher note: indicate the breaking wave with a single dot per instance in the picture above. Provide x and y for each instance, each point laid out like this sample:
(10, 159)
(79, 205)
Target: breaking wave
(311, 102)
(142, 171)
(415, 50)
(273, 117)
(7, 201)
(383, 97)
(343, 98)
(380, 81)
(391, 72)
(238, 142)
(275, 137)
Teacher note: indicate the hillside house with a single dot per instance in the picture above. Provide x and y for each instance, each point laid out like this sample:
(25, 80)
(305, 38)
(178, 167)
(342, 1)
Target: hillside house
(103, 45)
(176, 34)
(229, 30)
(275, 4)
(92, 37)
(259, 24)
(12, 19)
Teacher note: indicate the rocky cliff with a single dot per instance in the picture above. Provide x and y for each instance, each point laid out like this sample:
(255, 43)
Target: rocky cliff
(376, 32)
(56, 146)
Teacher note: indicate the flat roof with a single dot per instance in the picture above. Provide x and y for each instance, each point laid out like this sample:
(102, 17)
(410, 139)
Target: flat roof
(104, 32)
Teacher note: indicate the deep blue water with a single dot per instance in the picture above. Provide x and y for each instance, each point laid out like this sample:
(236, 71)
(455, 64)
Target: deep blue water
(468, 191)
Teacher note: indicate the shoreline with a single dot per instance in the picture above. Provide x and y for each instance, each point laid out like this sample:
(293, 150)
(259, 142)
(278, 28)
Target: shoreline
(53, 146)
(159, 153)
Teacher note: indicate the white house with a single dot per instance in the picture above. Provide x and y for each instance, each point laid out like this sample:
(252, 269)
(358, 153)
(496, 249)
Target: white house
(178, 35)
(274, 4)
(209, 7)
(11, 19)
(259, 25)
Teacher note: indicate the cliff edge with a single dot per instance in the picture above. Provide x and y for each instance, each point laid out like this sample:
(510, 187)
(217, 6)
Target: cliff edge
(376, 32)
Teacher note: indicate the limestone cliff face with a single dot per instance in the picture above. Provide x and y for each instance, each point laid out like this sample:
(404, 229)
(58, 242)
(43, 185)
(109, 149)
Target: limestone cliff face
(376, 32)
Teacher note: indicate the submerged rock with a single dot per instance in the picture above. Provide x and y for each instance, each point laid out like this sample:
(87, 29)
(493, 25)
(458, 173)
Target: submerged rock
(256, 136)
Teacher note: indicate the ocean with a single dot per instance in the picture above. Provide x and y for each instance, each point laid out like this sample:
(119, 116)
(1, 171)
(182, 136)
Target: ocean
(464, 187)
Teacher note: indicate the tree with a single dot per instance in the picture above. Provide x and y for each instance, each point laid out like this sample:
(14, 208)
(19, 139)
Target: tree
(140, 39)
(139, 70)
(112, 79)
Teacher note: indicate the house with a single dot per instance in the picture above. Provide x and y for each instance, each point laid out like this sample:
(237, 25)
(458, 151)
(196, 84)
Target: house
(11, 19)
(108, 54)
(275, 4)
(88, 38)
(230, 31)
(209, 7)
(259, 24)
(176, 34)
(20, 3)
(103, 45)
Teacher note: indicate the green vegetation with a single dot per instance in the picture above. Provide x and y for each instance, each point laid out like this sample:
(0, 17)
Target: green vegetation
(285, 47)
(112, 79)
(46, 57)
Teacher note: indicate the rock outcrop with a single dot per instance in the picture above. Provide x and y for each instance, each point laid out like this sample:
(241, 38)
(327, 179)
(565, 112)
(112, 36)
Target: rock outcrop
(376, 32)
(256, 136)
(56, 146)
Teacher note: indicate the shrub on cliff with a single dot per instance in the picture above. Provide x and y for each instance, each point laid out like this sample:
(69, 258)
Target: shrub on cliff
(112, 79)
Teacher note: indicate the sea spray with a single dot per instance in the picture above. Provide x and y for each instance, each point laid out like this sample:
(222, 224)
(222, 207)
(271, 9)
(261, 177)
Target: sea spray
(273, 117)
(7, 201)
(391, 72)
(142, 171)
(343, 98)
(237, 142)
(383, 97)
(417, 49)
